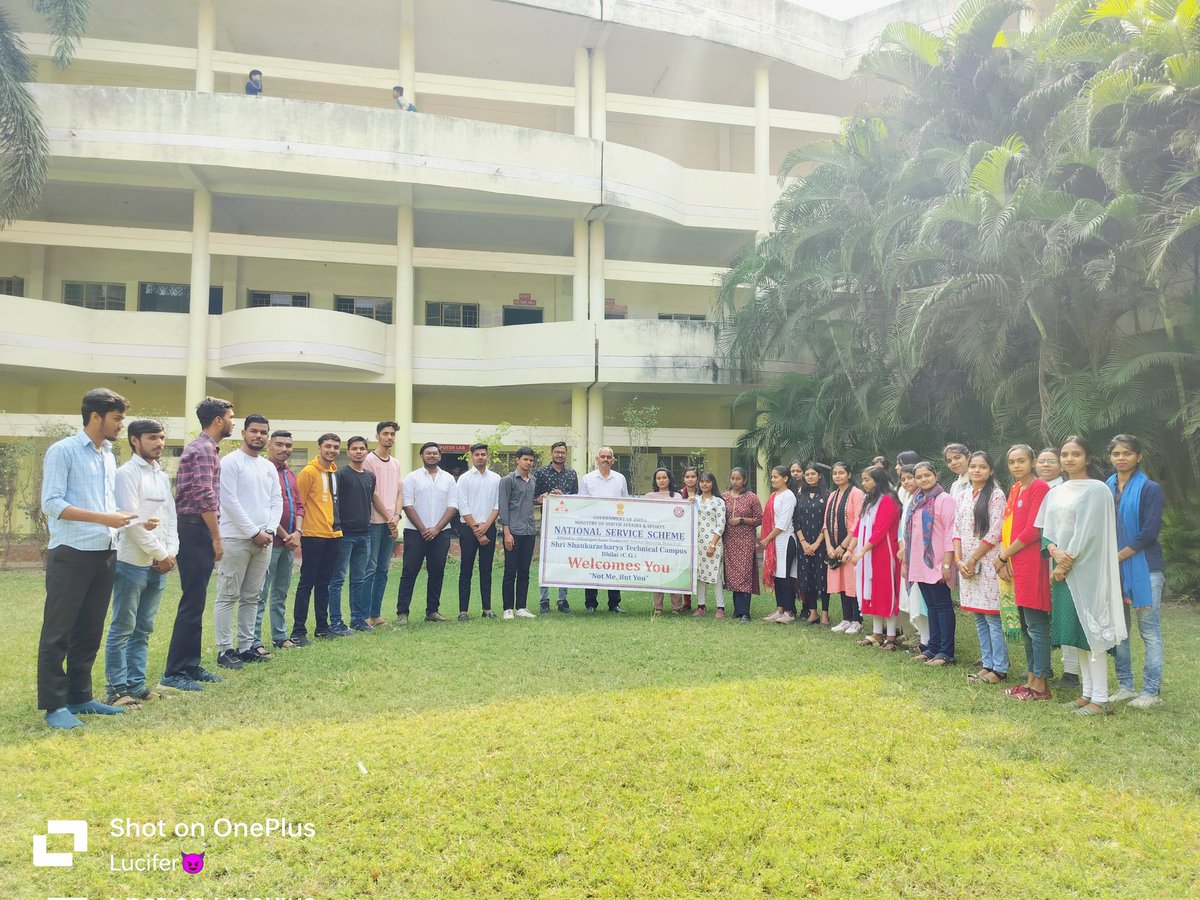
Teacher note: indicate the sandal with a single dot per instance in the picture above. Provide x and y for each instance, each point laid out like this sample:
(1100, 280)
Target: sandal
(870, 640)
(890, 645)
(1093, 710)
(1076, 704)
(1018, 690)
(994, 677)
(937, 661)
(263, 652)
(1031, 694)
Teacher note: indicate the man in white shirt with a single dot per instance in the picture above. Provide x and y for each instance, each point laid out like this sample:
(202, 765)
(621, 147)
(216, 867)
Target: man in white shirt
(251, 507)
(603, 481)
(143, 560)
(478, 490)
(430, 502)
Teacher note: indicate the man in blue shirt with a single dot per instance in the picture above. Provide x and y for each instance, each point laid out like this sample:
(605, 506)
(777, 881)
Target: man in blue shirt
(79, 501)
(254, 83)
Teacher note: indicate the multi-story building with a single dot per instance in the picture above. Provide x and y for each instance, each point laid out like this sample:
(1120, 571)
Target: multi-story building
(538, 244)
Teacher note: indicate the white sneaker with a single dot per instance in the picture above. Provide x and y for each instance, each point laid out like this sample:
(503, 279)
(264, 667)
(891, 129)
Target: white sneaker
(525, 614)
(1145, 701)
(1121, 695)
(855, 628)
(840, 626)
(508, 614)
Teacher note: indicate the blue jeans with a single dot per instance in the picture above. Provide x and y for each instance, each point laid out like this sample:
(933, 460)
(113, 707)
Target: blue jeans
(992, 645)
(137, 592)
(1035, 629)
(378, 561)
(1150, 629)
(276, 587)
(941, 620)
(352, 557)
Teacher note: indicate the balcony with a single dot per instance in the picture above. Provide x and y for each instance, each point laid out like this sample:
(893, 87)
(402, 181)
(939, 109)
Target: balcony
(302, 339)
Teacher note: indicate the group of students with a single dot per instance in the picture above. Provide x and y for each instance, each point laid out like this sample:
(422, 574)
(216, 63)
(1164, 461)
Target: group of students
(1063, 559)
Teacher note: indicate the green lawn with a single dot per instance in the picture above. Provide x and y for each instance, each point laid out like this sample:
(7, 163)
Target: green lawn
(607, 756)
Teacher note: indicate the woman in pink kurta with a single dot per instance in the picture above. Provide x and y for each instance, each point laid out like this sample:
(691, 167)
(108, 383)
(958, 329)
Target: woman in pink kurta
(841, 519)
(978, 523)
(743, 515)
(876, 566)
(928, 535)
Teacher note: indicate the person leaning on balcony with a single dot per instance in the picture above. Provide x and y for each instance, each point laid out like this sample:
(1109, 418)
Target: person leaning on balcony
(402, 104)
(198, 505)
(254, 85)
(79, 501)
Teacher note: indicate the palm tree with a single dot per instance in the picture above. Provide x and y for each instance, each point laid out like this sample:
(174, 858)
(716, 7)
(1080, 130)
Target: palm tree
(23, 147)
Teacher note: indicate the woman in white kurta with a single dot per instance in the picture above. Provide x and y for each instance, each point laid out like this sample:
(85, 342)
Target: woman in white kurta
(710, 526)
(779, 544)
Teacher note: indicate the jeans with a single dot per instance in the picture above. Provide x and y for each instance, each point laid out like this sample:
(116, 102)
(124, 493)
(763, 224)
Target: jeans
(469, 547)
(1035, 629)
(741, 603)
(354, 556)
(275, 588)
(992, 646)
(240, 576)
(317, 558)
(380, 558)
(544, 598)
(78, 588)
(941, 620)
(1150, 628)
(516, 571)
(137, 591)
(195, 560)
(432, 554)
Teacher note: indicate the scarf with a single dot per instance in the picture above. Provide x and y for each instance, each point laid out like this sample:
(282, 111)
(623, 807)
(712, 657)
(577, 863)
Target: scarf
(768, 525)
(923, 501)
(1135, 572)
(835, 517)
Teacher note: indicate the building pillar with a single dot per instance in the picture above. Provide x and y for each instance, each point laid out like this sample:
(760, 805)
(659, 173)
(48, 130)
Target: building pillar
(579, 430)
(206, 42)
(583, 103)
(35, 284)
(599, 95)
(196, 382)
(579, 281)
(595, 424)
(402, 330)
(763, 475)
(407, 66)
(595, 286)
(762, 146)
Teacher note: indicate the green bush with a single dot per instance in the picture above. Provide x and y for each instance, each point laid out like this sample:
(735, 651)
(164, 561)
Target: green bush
(1180, 540)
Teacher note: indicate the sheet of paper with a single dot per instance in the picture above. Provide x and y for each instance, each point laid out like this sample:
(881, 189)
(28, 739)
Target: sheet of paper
(147, 509)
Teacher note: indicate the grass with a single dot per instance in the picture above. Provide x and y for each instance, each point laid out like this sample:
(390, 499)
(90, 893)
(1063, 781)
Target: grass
(608, 756)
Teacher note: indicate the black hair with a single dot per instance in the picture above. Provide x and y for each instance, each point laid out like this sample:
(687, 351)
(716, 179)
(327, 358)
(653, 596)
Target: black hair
(821, 488)
(139, 427)
(211, 408)
(982, 517)
(882, 488)
(279, 434)
(742, 472)
(908, 458)
(328, 436)
(398, 89)
(1053, 450)
(908, 470)
(841, 465)
(1024, 448)
(961, 449)
(255, 419)
(101, 401)
(425, 446)
(526, 451)
(472, 449)
(1132, 441)
(670, 480)
(254, 72)
(1093, 470)
(784, 471)
(710, 477)
(558, 444)
(358, 438)
(395, 426)
(879, 461)
(925, 464)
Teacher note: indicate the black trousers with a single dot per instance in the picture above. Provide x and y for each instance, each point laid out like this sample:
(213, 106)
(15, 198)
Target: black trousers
(78, 590)
(469, 547)
(318, 557)
(850, 610)
(195, 560)
(741, 604)
(591, 601)
(785, 594)
(516, 571)
(432, 554)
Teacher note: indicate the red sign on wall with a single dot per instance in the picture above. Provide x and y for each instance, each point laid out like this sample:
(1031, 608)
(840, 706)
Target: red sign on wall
(524, 300)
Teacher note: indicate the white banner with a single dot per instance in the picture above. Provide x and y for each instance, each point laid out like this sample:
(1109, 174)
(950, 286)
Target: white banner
(597, 542)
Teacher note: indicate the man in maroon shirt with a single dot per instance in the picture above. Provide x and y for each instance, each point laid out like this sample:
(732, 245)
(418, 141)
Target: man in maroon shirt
(197, 503)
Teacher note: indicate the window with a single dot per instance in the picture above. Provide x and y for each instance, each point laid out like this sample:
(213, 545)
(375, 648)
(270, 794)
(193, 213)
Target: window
(677, 463)
(155, 296)
(94, 295)
(275, 298)
(679, 317)
(377, 308)
(614, 315)
(452, 315)
(14, 286)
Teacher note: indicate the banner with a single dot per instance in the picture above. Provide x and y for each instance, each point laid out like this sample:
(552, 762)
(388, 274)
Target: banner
(597, 542)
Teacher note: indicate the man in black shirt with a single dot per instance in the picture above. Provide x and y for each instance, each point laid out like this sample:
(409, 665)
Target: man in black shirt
(356, 496)
(555, 478)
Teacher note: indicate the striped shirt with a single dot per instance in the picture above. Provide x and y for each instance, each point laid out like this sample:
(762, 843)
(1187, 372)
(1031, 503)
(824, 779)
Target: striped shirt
(78, 473)
(198, 478)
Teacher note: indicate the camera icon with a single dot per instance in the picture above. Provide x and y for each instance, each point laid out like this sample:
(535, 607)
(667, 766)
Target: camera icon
(78, 830)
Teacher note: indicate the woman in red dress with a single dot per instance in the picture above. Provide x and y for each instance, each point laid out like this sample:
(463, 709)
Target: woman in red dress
(743, 515)
(876, 564)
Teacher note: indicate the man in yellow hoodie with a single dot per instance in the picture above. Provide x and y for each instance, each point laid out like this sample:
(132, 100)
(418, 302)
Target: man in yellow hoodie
(320, 538)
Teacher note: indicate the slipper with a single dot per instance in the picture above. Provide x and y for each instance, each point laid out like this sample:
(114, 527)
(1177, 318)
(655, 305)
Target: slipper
(1018, 690)
(1031, 694)
(263, 652)
(993, 677)
(1088, 711)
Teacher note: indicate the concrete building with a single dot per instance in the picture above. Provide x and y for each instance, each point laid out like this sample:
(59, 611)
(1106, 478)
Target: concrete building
(537, 245)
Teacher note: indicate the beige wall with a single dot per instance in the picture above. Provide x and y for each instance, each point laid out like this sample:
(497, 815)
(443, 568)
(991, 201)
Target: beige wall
(646, 301)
